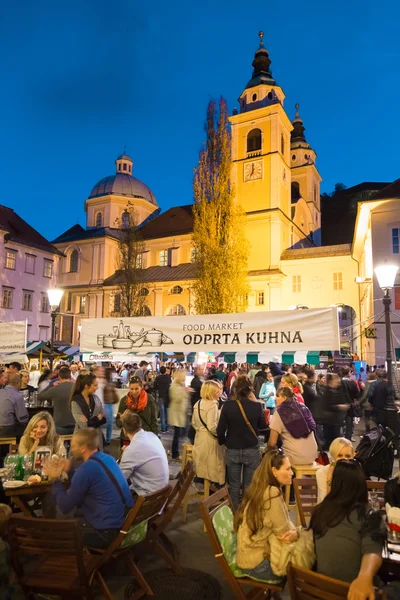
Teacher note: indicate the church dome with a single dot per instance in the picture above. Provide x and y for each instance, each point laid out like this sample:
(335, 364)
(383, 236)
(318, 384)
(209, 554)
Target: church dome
(123, 183)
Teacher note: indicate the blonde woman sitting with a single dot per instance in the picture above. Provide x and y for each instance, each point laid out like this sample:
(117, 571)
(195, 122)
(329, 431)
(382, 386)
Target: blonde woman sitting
(208, 454)
(40, 431)
(340, 449)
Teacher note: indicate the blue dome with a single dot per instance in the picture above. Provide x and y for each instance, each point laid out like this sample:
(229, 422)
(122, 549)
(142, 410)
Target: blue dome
(122, 184)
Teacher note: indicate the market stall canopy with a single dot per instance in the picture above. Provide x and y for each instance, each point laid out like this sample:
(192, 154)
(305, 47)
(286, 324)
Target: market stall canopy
(289, 331)
(289, 358)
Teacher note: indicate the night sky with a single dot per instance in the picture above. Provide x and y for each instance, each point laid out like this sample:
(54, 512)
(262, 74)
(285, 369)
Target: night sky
(81, 80)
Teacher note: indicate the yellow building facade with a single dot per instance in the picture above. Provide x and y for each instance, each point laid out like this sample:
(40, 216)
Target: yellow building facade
(277, 184)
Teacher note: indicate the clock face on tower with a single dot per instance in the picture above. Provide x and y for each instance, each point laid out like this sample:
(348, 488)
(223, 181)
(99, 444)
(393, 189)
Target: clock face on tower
(253, 170)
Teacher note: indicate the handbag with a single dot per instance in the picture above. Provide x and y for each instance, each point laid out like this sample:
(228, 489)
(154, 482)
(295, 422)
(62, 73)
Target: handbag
(323, 457)
(249, 425)
(300, 553)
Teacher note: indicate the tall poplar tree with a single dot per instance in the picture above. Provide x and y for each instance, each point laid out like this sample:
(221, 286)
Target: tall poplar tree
(219, 240)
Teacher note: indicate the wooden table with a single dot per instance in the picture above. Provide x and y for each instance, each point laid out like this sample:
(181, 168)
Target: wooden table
(21, 496)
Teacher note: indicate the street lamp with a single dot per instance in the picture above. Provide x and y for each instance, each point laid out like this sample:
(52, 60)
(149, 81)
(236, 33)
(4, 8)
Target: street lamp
(54, 296)
(386, 276)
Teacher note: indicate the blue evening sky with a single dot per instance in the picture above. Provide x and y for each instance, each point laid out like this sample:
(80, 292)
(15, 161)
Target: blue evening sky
(82, 79)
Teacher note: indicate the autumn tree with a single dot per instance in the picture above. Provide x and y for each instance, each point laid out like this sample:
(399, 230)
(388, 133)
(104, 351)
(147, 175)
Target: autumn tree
(219, 241)
(130, 297)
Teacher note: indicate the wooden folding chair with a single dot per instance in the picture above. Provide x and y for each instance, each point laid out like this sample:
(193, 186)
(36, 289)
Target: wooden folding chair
(258, 589)
(306, 495)
(156, 537)
(58, 564)
(134, 531)
(378, 487)
(307, 585)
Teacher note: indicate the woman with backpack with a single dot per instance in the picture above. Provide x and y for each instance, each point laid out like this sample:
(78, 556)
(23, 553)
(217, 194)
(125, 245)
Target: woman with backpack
(208, 455)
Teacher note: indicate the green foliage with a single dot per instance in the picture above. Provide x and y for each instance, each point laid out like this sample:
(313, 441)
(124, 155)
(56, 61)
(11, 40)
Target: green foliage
(219, 223)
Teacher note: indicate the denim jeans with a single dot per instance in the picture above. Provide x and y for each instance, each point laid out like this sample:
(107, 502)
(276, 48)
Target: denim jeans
(95, 538)
(241, 465)
(108, 409)
(263, 572)
(349, 427)
(65, 429)
(178, 432)
(163, 416)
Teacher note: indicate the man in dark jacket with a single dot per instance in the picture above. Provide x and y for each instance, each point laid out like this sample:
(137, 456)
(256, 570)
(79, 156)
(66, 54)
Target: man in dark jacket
(351, 394)
(162, 384)
(195, 385)
(259, 378)
(380, 397)
(59, 394)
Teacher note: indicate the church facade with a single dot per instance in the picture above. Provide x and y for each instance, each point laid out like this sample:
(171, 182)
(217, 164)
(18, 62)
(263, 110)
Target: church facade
(278, 185)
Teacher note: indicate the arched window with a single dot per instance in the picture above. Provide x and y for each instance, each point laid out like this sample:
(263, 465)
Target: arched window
(295, 191)
(99, 219)
(282, 144)
(177, 310)
(144, 311)
(254, 140)
(177, 290)
(144, 292)
(73, 261)
(125, 220)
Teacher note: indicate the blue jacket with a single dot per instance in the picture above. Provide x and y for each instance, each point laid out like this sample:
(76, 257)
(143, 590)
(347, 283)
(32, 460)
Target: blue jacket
(94, 493)
(268, 387)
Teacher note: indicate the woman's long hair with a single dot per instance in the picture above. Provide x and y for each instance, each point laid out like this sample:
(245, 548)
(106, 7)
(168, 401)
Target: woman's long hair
(253, 499)
(292, 381)
(45, 374)
(242, 387)
(349, 492)
(51, 437)
(81, 382)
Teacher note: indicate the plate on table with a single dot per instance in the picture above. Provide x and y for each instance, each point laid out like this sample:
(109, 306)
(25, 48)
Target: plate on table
(13, 484)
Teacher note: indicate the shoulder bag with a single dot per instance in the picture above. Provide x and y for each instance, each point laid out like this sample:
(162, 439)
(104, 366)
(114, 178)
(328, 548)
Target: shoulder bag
(203, 423)
(249, 425)
(114, 481)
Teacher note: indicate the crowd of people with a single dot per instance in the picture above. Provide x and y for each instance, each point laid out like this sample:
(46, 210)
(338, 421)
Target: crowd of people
(224, 412)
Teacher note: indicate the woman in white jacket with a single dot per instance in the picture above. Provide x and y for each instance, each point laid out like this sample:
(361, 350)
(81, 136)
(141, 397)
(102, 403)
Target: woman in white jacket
(178, 409)
(208, 455)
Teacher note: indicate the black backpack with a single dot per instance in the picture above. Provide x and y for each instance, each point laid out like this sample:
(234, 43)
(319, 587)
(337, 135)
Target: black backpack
(375, 453)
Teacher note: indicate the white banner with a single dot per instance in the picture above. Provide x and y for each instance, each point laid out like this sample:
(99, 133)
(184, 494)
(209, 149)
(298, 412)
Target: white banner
(286, 330)
(12, 337)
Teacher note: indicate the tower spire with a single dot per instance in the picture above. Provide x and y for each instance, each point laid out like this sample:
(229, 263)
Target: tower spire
(297, 137)
(261, 66)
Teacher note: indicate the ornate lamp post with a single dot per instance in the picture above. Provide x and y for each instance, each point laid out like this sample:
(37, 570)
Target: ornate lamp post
(55, 296)
(386, 276)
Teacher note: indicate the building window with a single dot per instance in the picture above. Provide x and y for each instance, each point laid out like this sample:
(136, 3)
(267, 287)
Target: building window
(68, 304)
(282, 144)
(129, 168)
(395, 240)
(99, 219)
(82, 304)
(119, 167)
(295, 191)
(194, 253)
(11, 259)
(7, 297)
(27, 300)
(296, 283)
(30, 263)
(139, 261)
(43, 334)
(397, 297)
(73, 261)
(47, 268)
(177, 289)
(28, 332)
(338, 281)
(117, 303)
(177, 310)
(254, 97)
(260, 299)
(124, 166)
(125, 220)
(44, 303)
(144, 311)
(144, 292)
(254, 140)
(164, 258)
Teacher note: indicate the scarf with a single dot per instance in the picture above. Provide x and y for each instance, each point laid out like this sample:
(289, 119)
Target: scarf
(136, 404)
(87, 410)
(296, 418)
